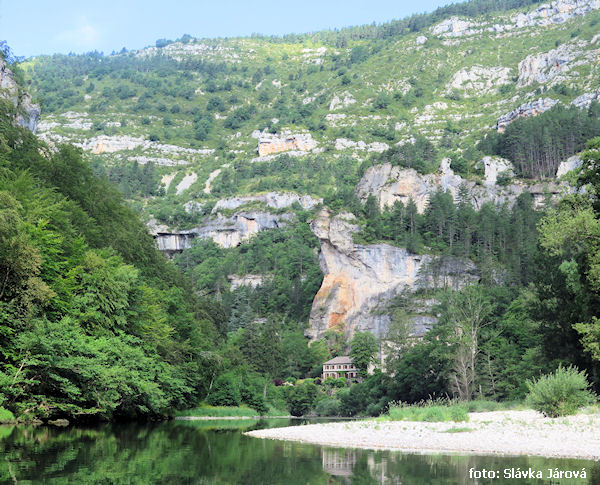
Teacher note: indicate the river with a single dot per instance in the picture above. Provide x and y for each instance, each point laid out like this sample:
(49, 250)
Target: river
(217, 452)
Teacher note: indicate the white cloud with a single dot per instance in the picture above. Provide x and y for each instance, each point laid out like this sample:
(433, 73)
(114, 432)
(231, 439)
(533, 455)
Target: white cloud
(82, 35)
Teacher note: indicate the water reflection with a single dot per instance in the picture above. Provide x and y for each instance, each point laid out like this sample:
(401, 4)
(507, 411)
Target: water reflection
(216, 452)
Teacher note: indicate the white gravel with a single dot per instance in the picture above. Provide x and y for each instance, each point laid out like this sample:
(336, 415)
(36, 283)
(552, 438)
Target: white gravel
(498, 432)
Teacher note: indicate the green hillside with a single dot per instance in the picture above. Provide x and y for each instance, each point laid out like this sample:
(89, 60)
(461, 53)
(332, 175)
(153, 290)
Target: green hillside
(177, 128)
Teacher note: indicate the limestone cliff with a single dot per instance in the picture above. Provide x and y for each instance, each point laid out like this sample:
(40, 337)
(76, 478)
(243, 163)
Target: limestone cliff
(227, 232)
(359, 280)
(389, 183)
(271, 144)
(28, 113)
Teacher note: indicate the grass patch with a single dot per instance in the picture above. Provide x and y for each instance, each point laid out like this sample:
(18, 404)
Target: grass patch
(458, 430)
(429, 411)
(219, 411)
(482, 406)
(205, 410)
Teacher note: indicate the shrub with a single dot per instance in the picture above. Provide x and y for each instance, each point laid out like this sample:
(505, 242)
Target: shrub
(328, 407)
(224, 392)
(6, 416)
(561, 393)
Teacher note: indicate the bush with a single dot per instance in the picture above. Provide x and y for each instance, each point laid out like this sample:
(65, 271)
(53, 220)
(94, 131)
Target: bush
(301, 398)
(328, 407)
(561, 393)
(224, 392)
(6, 416)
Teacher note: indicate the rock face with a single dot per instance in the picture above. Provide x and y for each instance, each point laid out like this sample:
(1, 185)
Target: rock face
(584, 101)
(276, 200)
(533, 108)
(269, 145)
(390, 183)
(28, 113)
(555, 13)
(342, 101)
(543, 67)
(249, 280)
(172, 243)
(227, 232)
(479, 80)
(571, 163)
(493, 166)
(360, 279)
(452, 27)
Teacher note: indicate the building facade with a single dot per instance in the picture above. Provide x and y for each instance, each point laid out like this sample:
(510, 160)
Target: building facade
(340, 367)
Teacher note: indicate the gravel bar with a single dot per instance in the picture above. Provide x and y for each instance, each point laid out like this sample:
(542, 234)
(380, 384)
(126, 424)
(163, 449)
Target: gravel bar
(490, 433)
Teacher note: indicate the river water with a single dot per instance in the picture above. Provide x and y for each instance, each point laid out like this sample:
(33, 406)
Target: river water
(216, 452)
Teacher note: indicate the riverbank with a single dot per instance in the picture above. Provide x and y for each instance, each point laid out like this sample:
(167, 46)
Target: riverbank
(487, 433)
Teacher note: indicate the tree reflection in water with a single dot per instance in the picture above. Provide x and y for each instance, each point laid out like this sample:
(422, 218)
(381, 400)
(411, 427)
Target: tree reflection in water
(216, 452)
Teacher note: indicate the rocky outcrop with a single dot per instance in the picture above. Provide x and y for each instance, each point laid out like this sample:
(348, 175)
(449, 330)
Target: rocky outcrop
(227, 232)
(171, 243)
(390, 183)
(213, 175)
(547, 14)
(544, 67)
(572, 163)
(28, 113)
(275, 200)
(478, 80)
(452, 27)
(555, 13)
(493, 166)
(584, 101)
(249, 280)
(112, 144)
(342, 101)
(271, 144)
(360, 280)
(532, 108)
(345, 144)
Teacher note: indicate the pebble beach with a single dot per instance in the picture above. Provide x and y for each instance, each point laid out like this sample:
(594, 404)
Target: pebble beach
(487, 433)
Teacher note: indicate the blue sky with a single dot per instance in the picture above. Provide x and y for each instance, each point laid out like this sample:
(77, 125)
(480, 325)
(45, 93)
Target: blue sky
(50, 26)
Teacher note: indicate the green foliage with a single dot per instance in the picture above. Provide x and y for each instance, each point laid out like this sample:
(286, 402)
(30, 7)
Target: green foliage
(363, 349)
(538, 144)
(88, 330)
(6, 416)
(225, 392)
(328, 407)
(301, 398)
(560, 393)
(218, 411)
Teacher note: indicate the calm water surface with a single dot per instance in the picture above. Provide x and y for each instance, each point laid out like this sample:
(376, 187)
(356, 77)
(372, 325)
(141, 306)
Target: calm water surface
(216, 452)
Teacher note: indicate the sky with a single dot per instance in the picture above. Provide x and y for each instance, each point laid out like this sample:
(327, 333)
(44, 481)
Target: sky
(33, 27)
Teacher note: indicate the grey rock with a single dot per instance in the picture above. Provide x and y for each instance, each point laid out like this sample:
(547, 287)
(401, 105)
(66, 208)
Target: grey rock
(532, 108)
(584, 101)
(276, 200)
(28, 113)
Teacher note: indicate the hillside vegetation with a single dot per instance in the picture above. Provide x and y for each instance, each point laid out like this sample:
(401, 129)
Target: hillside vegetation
(228, 149)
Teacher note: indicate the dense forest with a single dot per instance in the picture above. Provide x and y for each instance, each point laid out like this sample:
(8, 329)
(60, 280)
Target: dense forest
(95, 323)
